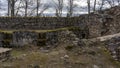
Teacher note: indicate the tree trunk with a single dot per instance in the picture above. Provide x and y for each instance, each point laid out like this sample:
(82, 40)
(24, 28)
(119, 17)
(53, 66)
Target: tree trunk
(37, 8)
(59, 7)
(26, 8)
(88, 1)
(102, 4)
(9, 7)
(12, 7)
(94, 9)
(70, 8)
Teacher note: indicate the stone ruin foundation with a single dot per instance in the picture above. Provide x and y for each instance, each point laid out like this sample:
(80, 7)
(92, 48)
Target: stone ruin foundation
(47, 38)
(4, 54)
(113, 45)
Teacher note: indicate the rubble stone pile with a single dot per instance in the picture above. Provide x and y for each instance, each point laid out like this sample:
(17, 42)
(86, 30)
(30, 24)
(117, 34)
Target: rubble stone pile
(113, 45)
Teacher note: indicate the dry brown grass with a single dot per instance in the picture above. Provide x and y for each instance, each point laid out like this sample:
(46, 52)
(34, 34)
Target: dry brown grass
(78, 58)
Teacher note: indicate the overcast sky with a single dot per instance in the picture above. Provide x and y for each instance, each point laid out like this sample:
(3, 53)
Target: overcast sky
(80, 9)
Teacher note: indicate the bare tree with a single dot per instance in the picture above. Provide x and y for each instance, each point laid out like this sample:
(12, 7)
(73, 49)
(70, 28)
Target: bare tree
(12, 2)
(118, 1)
(26, 4)
(26, 7)
(18, 7)
(37, 8)
(59, 7)
(70, 8)
(31, 8)
(39, 4)
(111, 2)
(94, 8)
(8, 7)
(39, 12)
(88, 3)
(43, 9)
(101, 4)
(11, 7)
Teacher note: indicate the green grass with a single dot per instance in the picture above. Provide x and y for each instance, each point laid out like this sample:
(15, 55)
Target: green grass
(106, 53)
(42, 31)
(30, 58)
(16, 53)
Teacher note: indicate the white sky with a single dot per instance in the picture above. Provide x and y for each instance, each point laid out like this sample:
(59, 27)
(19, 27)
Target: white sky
(81, 6)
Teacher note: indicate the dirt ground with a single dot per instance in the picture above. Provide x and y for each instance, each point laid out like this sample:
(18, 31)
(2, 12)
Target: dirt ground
(63, 56)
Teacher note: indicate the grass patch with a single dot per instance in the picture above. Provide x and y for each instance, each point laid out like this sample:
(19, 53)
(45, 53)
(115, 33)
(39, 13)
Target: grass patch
(16, 52)
(109, 57)
(41, 31)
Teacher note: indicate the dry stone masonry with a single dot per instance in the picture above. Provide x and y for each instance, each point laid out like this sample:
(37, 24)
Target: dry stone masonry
(22, 38)
(96, 24)
(113, 46)
(4, 54)
(34, 23)
(83, 27)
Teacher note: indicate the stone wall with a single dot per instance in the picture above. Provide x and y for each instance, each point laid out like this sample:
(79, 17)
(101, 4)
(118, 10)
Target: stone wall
(23, 38)
(113, 45)
(111, 22)
(5, 39)
(4, 54)
(42, 23)
(48, 38)
(94, 24)
(34, 23)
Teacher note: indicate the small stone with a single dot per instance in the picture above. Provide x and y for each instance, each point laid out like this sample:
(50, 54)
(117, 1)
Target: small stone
(114, 56)
(70, 67)
(24, 55)
(44, 50)
(114, 52)
(99, 47)
(66, 56)
(116, 59)
(95, 66)
(75, 42)
(62, 57)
